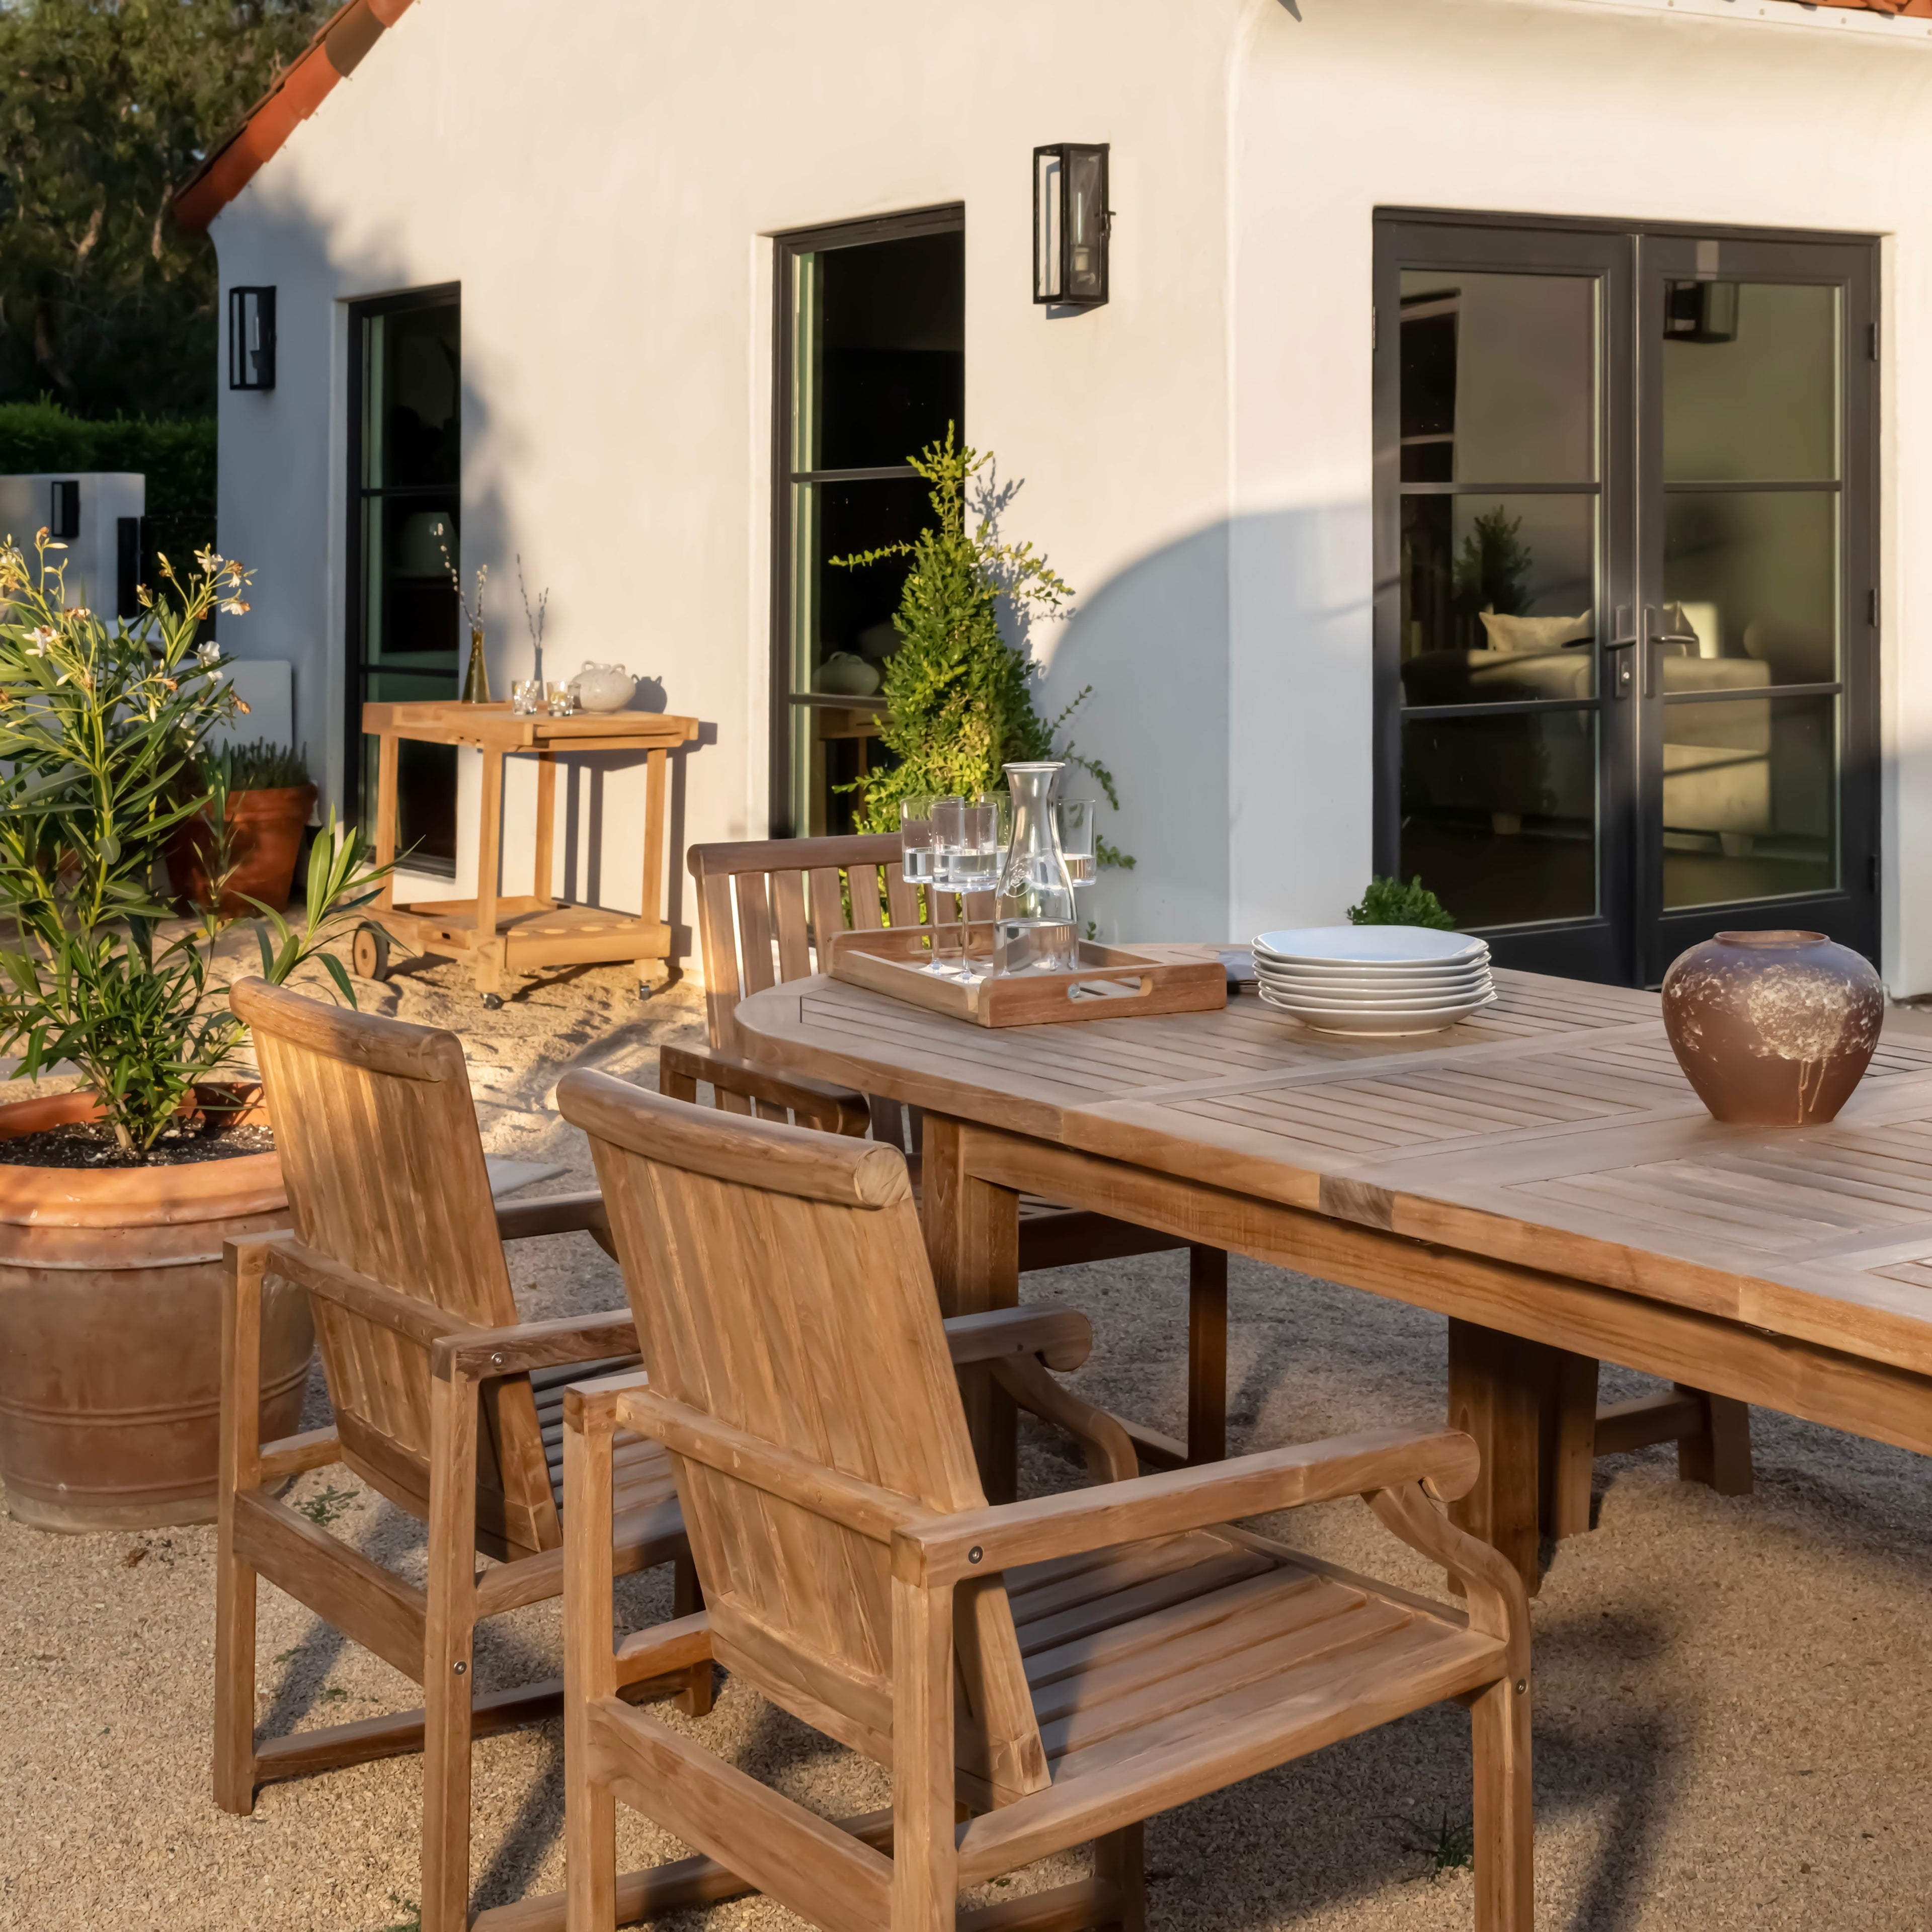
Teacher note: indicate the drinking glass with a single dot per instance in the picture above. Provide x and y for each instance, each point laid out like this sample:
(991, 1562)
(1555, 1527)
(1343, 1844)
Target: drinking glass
(560, 704)
(1076, 821)
(949, 831)
(526, 697)
(916, 841)
(976, 860)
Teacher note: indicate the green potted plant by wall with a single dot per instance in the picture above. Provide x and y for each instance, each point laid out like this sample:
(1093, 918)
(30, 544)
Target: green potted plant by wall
(959, 698)
(114, 1198)
(258, 797)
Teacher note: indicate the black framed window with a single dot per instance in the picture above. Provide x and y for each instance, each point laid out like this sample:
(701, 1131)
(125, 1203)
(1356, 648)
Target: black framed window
(405, 471)
(870, 336)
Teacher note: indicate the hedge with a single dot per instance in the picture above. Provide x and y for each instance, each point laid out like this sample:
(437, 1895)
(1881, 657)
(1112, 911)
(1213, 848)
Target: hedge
(176, 455)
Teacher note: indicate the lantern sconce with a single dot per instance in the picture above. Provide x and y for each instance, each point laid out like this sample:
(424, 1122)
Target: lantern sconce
(1071, 222)
(251, 338)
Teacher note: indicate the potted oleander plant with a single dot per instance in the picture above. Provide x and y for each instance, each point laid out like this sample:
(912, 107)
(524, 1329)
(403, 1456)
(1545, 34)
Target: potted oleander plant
(247, 831)
(115, 1197)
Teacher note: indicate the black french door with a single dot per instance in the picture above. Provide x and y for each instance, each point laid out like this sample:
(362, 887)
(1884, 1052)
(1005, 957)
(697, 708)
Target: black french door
(1626, 590)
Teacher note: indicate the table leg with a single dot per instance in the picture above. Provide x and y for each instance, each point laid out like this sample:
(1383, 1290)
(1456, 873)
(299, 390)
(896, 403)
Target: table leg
(1207, 1354)
(1569, 1443)
(489, 859)
(653, 902)
(973, 1240)
(545, 867)
(1720, 1454)
(389, 748)
(1496, 1383)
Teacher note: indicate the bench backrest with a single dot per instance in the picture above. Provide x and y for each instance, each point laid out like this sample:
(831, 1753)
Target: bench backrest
(780, 1285)
(384, 1166)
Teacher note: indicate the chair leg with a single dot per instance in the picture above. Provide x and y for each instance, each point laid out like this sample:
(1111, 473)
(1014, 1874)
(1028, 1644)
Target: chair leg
(687, 1600)
(589, 1809)
(1121, 1859)
(1504, 1841)
(1207, 1354)
(1719, 1455)
(234, 1676)
(447, 1659)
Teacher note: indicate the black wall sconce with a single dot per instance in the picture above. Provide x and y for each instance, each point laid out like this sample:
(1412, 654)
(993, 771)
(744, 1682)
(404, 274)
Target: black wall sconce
(251, 338)
(1071, 220)
(64, 509)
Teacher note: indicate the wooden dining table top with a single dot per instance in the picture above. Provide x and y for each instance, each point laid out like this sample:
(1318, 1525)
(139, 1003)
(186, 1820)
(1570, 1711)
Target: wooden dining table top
(1555, 1130)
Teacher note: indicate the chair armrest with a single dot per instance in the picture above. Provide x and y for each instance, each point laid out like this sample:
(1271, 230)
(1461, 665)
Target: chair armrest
(583, 1212)
(481, 1354)
(1062, 1337)
(1109, 1450)
(863, 1507)
(946, 1548)
(814, 1103)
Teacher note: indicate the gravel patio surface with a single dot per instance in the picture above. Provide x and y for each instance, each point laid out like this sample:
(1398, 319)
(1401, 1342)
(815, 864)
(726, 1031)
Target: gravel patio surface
(1732, 1694)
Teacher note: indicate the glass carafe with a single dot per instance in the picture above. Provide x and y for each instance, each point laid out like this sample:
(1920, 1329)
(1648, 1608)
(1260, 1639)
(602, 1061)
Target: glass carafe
(1034, 928)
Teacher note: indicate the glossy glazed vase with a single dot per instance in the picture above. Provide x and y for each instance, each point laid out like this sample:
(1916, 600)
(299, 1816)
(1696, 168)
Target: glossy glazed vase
(1773, 1029)
(1034, 928)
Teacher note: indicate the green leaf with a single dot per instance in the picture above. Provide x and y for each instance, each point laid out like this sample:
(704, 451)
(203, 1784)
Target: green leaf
(336, 972)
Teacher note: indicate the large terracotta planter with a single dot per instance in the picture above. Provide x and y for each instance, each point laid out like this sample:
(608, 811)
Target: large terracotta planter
(1773, 1029)
(265, 841)
(110, 1344)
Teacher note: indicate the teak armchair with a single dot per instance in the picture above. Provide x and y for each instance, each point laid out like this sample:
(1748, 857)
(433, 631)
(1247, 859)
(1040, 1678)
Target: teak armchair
(445, 1403)
(1063, 1669)
(763, 907)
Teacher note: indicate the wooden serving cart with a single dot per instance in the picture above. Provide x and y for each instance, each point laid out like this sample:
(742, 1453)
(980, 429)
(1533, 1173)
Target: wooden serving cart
(496, 933)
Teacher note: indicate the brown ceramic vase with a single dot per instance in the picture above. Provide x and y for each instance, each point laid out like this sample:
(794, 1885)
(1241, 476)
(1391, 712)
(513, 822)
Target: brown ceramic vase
(265, 835)
(110, 1331)
(1773, 1029)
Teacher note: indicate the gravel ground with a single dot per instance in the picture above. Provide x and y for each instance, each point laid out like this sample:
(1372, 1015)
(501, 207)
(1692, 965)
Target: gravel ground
(1731, 1694)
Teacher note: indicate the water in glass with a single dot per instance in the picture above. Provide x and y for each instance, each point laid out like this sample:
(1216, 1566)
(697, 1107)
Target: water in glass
(1073, 817)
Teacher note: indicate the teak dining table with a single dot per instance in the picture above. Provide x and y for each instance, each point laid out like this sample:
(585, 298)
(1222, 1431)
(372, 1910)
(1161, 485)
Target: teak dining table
(1542, 1174)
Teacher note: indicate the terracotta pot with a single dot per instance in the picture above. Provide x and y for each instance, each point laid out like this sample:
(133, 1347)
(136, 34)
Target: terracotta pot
(1773, 1029)
(265, 841)
(110, 1344)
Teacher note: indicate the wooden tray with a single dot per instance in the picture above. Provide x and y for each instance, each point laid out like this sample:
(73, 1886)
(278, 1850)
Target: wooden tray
(1111, 983)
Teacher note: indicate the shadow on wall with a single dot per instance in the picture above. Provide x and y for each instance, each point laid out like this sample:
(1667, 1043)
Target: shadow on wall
(1232, 701)
(282, 494)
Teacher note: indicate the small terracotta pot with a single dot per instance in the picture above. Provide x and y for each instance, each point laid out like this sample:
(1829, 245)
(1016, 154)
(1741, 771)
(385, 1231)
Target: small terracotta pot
(1773, 1029)
(110, 1331)
(265, 841)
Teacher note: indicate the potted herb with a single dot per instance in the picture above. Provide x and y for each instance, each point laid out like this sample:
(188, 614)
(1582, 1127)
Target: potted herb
(248, 832)
(115, 1200)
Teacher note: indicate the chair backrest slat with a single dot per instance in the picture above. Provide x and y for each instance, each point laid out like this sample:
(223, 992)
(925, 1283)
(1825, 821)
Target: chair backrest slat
(755, 971)
(788, 913)
(384, 1167)
(798, 1307)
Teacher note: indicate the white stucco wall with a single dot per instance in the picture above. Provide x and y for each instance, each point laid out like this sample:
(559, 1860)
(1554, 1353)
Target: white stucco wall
(602, 178)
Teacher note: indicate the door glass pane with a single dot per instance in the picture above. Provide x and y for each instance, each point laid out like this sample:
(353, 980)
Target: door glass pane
(878, 351)
(1498, 378)
(1498, 814)
(1499, 595)
(1752, 576)
(1750, 799)
(1750, 382)
(410, 645)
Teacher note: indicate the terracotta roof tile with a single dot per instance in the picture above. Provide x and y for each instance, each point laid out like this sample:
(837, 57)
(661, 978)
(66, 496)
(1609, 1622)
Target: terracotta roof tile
(335, 53)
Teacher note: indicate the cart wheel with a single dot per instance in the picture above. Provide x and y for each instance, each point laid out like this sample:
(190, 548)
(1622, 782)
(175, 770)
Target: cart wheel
(493, 1003)
(369, 953)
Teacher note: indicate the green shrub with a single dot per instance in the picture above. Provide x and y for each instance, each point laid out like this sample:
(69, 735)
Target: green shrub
(1390, 902)
(176, 456)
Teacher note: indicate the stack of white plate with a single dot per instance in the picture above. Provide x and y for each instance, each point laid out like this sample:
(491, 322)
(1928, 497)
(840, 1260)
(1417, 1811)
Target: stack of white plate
(1374, 978)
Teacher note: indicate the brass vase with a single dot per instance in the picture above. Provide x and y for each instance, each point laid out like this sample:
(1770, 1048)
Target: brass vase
(476, 679)
(1773, 1029)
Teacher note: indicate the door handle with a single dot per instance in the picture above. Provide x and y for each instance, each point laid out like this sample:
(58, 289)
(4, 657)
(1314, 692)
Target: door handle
(1623, 677)
(1656, 631)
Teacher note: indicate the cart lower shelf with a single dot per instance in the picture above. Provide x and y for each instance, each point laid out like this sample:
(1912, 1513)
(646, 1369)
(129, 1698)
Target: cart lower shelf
(528, 935)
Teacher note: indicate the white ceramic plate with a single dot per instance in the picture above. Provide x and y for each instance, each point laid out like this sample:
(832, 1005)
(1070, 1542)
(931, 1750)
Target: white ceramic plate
(1370, 946)
(1384, 1022)
(1308, 979)
(1423, 1006)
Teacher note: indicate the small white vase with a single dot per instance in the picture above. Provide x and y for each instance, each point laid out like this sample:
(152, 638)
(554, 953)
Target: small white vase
(603, 687)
